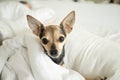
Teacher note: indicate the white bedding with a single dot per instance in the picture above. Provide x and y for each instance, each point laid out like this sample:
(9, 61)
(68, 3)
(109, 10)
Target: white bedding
(12, 10)
(13, 18)
(99, 19)
(30, 63)
(92, 55)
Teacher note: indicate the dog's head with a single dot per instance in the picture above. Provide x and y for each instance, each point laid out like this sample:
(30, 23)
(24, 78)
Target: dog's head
(52, 37)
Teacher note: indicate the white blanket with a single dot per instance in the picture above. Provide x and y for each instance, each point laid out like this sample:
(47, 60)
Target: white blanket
(27, 61)
(13, 18)
(92, 56)
(12, 10)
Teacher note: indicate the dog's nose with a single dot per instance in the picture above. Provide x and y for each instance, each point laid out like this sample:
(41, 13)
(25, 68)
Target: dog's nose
(53, 52)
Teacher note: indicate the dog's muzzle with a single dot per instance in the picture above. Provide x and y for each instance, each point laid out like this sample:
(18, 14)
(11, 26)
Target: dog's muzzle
(54, 52)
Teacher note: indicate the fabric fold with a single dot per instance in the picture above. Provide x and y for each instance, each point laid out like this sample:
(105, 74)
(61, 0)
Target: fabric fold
(28, 62)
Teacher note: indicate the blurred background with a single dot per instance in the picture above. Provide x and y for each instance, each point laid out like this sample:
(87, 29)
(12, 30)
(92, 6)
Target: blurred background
(95, 1)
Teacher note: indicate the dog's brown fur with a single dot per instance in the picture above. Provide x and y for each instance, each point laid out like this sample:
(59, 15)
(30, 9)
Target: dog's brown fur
(53, 37)
(52, 33)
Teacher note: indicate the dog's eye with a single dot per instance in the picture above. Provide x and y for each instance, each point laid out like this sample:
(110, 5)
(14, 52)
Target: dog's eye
(44, 41)
(61, 39)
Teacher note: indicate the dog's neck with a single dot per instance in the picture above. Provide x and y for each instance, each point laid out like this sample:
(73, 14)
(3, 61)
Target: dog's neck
(58, 60)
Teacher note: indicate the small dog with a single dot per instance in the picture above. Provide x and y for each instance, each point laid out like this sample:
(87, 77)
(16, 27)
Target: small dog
(53, 37)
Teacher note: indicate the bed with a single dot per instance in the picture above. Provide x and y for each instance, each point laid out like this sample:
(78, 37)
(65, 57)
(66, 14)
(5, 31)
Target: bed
(92, 48)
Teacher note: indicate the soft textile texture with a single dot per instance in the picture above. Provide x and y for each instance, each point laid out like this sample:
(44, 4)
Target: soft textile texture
(29, 62)
(12, 10)
(90, 55)
(13, 18)
(94, 57)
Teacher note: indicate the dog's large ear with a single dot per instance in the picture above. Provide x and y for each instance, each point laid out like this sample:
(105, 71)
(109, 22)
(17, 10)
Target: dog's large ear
(68, 22)
(35, 25)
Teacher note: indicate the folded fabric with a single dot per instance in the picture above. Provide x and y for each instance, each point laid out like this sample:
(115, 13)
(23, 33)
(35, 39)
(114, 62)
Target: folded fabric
(105, 31)
(13, 18)
(12, 10)
(92, 56)
(9, 28)
(27, 61)
(7, 50)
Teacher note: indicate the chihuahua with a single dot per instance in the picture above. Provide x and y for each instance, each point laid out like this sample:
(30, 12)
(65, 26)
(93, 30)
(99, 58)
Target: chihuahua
(53, 37)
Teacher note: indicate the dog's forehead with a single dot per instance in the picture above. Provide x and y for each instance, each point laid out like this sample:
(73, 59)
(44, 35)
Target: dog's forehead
(52, 28)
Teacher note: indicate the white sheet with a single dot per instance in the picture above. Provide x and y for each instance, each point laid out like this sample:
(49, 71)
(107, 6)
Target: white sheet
(92, 56)
(12, 10)
(13, 18)
(30, 63)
